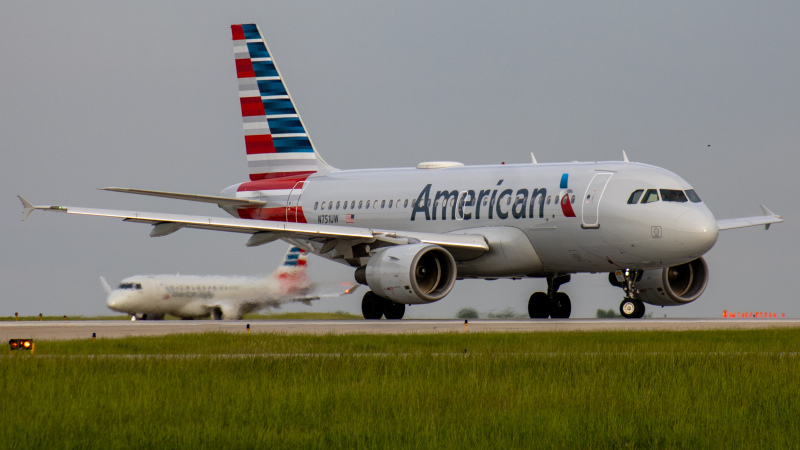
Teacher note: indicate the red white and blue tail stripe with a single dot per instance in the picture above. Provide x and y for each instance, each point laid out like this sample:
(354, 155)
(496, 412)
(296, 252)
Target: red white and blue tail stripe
(275, 137)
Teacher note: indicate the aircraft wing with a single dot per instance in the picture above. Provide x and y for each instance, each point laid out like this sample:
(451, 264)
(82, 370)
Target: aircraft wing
(767, 219)
(466, 246)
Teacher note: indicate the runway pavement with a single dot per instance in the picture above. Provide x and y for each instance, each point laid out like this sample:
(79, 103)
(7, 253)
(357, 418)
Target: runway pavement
(50, 330)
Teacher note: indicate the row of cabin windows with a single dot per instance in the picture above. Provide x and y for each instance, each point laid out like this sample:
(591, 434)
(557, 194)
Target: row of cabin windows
(667, 195)
(130, 286)
(352, 205)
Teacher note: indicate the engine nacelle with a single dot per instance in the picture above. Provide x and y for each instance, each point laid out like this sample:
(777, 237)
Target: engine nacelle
(410, 274)
(676, 285)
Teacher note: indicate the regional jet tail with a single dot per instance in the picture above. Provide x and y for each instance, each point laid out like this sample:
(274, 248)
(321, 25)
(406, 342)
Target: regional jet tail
(219, 297)
(409, 233)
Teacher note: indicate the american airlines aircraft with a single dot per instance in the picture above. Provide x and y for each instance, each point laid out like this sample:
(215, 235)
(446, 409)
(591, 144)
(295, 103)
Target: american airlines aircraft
(150, 297)
(410, 233)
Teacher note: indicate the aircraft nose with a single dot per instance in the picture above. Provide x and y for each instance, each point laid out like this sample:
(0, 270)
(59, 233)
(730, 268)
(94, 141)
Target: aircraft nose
(115, 301)
(696, 231)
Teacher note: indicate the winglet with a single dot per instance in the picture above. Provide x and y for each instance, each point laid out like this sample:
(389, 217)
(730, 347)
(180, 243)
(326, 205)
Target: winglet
(624, 156)
(767, 212)
(28, 207)
(533, 159)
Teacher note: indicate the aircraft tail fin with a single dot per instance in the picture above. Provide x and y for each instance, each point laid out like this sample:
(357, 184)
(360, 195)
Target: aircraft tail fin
(106, 286)
(275, 138)
(291, 274)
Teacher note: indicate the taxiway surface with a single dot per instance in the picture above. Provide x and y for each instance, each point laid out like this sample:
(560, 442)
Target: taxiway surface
(49, 330)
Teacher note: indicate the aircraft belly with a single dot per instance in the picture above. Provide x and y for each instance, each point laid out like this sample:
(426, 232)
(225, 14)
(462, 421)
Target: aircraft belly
(510, 255)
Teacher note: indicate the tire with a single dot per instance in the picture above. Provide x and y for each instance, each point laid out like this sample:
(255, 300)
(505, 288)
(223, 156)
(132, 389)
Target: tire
(372, 306)
(539, 306)
(640, 314)
(562, 307)
(394, 311)
(631, 308)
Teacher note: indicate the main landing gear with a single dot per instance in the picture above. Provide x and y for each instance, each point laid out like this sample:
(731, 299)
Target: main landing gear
(631, 307)
(373, 306)
(553, 303)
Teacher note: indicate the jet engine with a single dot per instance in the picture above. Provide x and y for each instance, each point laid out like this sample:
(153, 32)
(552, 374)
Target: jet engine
(409, 274)
(672, 286)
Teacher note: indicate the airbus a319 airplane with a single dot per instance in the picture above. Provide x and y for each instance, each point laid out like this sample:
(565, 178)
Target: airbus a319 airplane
(410, 233)
(151, 297)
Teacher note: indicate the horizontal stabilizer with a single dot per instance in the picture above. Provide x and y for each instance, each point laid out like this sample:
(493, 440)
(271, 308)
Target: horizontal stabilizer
(227, 201)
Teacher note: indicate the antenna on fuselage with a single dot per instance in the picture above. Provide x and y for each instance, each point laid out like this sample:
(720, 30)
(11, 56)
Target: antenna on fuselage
(625, 156)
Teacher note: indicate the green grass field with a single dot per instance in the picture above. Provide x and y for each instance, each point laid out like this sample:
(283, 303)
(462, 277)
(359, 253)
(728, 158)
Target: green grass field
(709, 389)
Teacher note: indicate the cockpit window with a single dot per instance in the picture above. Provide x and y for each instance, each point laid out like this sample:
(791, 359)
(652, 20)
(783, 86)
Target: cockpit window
(635, 196)
(673, 195)
(693, 197)
(650, 196)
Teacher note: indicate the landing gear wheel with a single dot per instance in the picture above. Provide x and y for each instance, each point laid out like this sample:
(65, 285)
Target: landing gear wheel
(631, 308)
(372, 306)
(394, 311)
(539, 306)
(561, 307)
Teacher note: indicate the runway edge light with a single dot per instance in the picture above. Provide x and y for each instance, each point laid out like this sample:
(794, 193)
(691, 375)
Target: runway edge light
(20, 344)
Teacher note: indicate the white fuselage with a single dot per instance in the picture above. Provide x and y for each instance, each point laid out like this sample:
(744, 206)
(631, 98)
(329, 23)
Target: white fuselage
(515, 207)
(191, 296)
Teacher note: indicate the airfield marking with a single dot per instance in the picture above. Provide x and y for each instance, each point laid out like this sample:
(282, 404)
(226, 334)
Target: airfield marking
(50, 330)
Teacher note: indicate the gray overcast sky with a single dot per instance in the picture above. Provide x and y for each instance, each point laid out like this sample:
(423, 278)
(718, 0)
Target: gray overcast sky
(145, 95)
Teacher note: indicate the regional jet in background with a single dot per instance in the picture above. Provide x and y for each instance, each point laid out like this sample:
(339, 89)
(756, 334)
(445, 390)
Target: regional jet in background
(151, 297)
(410, 233)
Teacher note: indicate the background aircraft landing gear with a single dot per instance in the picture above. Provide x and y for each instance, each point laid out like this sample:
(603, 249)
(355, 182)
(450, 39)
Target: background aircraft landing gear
(552, 304)
(632, 308)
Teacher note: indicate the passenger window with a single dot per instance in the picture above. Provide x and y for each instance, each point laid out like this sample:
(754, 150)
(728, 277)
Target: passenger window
(673, 195)
(548, 199)
(322, 206)
(316, 205)
(693, 197)
(353, 205)
(337, 205)
(635, 197)
(390, 203)
(360, 204)
(383, 203)
(367, 204)
(650, 196)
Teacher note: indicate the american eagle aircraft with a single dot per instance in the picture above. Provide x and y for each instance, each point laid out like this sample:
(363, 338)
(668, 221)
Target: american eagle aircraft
(410, 233)
(150, 297)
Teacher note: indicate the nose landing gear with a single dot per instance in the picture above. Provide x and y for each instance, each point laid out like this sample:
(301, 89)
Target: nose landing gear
(552, 304)
(631, 307)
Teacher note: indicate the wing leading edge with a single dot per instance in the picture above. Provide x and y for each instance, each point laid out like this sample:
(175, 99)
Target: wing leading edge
(467, 246)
